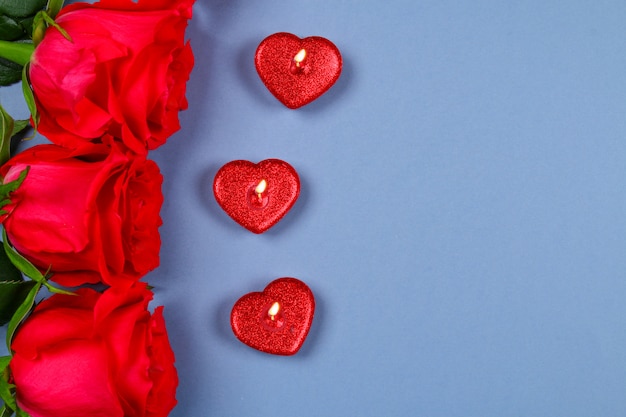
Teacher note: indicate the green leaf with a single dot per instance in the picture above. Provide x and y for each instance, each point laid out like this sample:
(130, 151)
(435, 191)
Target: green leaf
(27, 90)
(10, 30)
(21, 8)
(21, 132)
(10, 72)
(5, 372)
(5, 412)
(12, 295)
(28, 268)
(4, 362)
(27, 25)
(6, 388)
(20, 262)
(8, 271)
(21, 313)
(6, 131)
(19, 125)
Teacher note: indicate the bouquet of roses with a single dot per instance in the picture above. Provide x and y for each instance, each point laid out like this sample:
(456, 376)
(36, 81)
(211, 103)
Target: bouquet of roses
(104, 83)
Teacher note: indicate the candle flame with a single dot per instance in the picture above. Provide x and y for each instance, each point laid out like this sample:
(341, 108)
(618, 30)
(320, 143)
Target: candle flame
(273, 311)
(260, 188)
(299, 57)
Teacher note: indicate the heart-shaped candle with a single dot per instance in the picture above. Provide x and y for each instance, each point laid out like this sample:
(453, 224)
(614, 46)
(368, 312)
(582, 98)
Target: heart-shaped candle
(276, 320)
(256, 196)
(297, 71)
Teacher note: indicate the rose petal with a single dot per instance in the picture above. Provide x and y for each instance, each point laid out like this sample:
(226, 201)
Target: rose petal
(67, 380)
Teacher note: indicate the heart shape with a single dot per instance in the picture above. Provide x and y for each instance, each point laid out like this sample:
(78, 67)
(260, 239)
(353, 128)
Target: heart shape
(257, 322)
(236, 188)
(294, 78)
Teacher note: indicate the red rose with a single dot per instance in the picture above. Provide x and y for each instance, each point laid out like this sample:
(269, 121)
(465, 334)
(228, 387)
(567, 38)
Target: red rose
(124, 72)
(95, 355)
(91, 214)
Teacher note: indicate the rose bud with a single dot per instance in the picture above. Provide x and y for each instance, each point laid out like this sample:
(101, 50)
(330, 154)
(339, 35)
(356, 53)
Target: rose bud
(88, 215)
(124, 72)
(95, 354)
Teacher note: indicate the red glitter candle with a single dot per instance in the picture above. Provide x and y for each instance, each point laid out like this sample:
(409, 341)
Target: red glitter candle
(256, 196)
(277, 320)
(297, 71)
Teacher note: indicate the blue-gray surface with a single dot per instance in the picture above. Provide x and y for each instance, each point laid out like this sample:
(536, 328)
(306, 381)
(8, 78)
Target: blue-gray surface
(462, 220)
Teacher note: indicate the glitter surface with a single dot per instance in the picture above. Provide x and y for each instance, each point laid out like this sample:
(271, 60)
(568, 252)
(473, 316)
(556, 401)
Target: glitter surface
(298, 85)
(234, 189)
(250, 320)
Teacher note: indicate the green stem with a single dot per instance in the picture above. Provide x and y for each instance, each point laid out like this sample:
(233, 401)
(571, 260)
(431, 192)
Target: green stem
(16, 51)
(54, 6)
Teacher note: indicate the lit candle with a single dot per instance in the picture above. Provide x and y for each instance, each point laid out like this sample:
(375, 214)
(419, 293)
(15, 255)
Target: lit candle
(273, 310)
(256, 196)
(297, 64)
(276, 320)
(297, 71)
